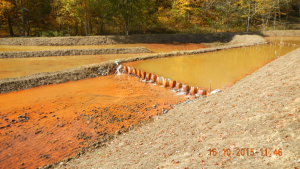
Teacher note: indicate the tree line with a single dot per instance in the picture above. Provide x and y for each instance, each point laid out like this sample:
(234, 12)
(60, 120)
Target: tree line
(102, 17)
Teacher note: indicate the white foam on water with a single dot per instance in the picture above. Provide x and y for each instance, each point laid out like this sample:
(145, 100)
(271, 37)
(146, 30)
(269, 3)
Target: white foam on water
(181, 93)
(118, 70)
(173, 90)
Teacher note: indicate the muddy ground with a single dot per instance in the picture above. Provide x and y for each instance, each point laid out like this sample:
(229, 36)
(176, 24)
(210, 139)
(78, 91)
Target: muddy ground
(46, 124)
(256, 122)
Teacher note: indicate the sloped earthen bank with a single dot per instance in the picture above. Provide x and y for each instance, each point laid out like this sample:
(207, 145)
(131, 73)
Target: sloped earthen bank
(93, 70)
(68, 52)
(117, 39)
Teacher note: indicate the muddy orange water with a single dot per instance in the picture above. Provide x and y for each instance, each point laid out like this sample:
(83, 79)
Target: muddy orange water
(285, 40)
(16, 67)
(62, 117)
(222, 68)
(157, 48)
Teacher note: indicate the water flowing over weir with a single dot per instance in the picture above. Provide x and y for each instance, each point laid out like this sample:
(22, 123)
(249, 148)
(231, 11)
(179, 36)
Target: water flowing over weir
(179, 87)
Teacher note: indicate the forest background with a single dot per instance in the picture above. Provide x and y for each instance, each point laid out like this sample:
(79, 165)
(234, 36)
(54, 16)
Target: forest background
(49, 18)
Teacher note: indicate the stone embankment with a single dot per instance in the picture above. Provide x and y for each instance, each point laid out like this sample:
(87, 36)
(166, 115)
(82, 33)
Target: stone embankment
(69, 52)
(117, 39)
(94, 70)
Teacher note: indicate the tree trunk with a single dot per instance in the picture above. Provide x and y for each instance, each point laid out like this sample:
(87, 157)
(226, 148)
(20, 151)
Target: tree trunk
(188, 12)
(90, 25)
(16, 20)
(27, 23)
(11, 31)
(263, 24)
(126, 26)
(86, 21)
(274, 19)
(76, 28)
(226, 14)
(248, 19)
(68, 29)
(23, 19)
(269, 16)
(17, 24)
(287, 15)
(101, 27)
(81, 28)
(279, 13)
(126, 29)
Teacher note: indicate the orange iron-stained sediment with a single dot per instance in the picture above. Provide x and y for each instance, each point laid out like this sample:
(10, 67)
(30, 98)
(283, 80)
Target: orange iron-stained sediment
(46, 124)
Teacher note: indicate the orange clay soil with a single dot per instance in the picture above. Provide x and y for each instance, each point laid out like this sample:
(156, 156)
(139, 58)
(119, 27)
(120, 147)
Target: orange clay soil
(43, 125)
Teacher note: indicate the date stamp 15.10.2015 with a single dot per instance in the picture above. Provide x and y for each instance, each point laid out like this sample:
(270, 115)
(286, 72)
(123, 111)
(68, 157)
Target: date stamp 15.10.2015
(245, 152)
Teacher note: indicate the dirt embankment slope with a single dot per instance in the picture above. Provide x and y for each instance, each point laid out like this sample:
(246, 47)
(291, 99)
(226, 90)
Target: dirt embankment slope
(164, 38)
(259, 112)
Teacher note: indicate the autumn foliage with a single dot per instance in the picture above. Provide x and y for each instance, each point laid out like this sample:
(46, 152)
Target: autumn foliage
(101, 17)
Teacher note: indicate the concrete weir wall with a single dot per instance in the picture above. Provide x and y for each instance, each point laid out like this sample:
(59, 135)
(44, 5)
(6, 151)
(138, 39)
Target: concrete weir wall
(89, 71)
(167, 38)
(68, 52)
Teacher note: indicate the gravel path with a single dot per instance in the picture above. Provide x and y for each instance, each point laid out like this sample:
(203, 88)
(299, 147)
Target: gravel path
(261, 111)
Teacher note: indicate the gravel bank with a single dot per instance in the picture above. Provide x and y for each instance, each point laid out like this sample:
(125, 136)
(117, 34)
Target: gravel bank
(69, 52)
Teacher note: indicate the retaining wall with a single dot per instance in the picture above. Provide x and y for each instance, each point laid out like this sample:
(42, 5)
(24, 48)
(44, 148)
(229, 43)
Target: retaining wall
(89, 71)
(165, 38)
(67, 52)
